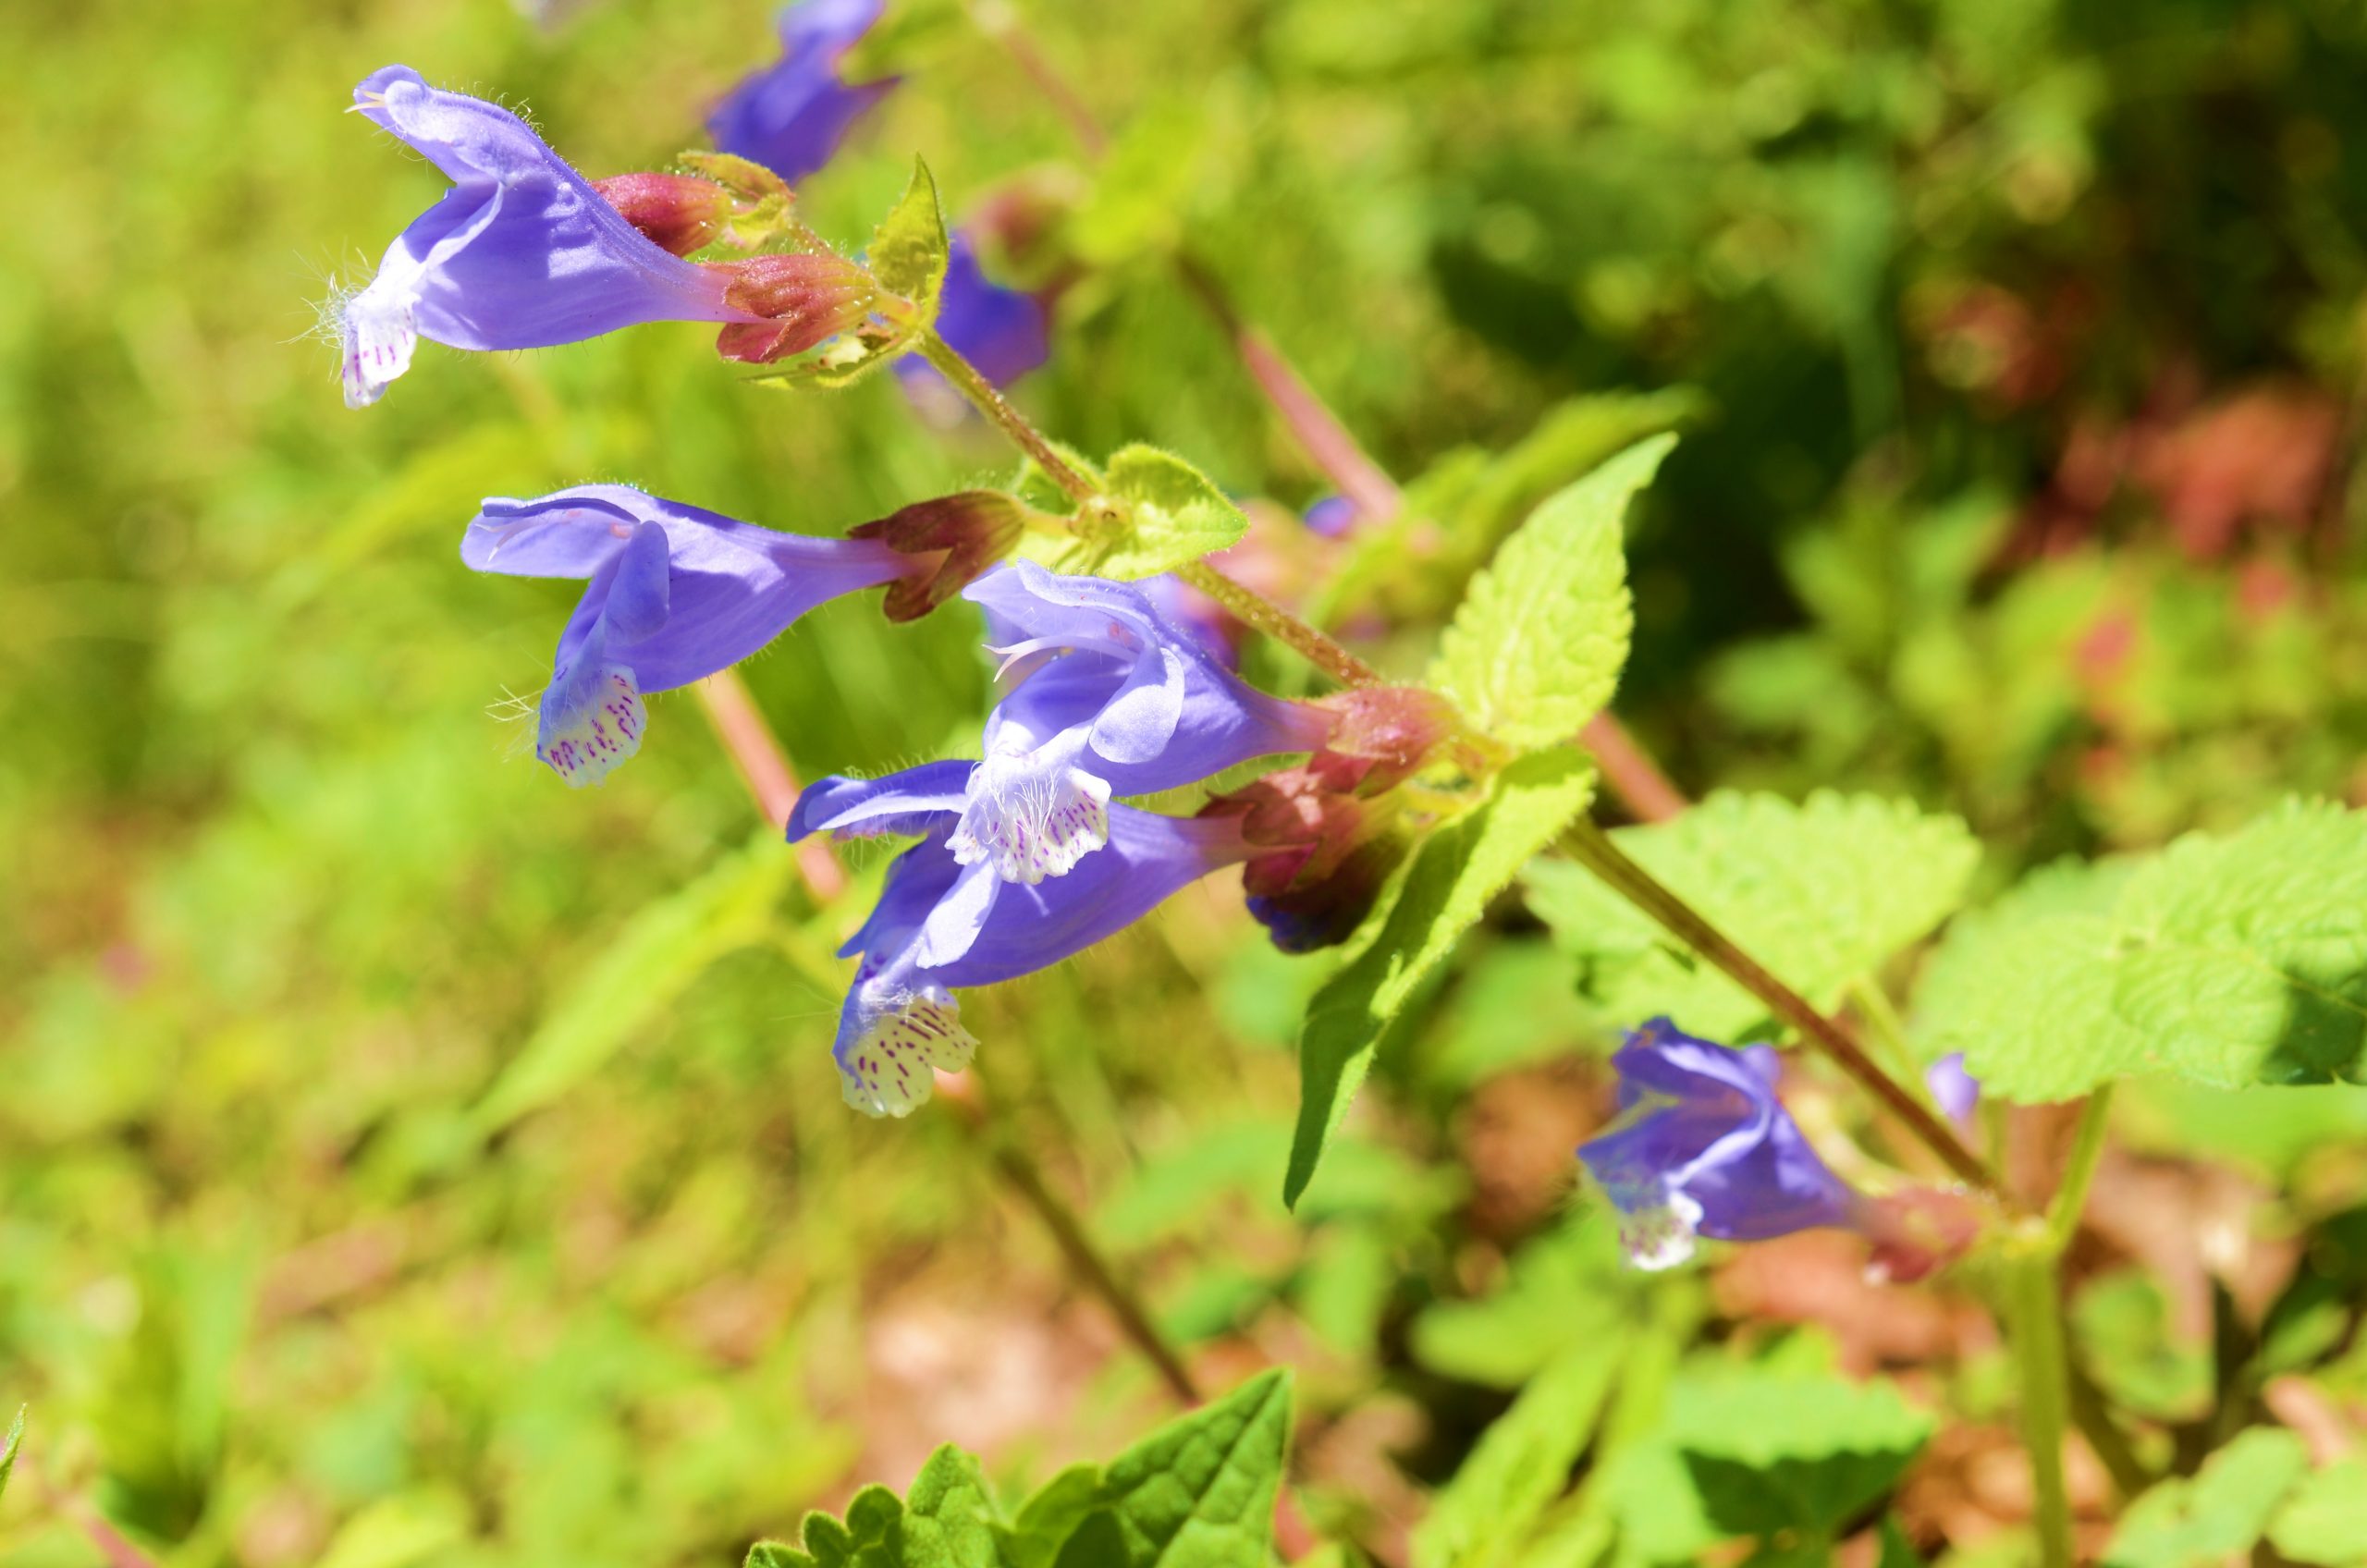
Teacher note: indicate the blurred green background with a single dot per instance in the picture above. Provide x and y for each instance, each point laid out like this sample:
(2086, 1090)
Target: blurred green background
(2024, 338)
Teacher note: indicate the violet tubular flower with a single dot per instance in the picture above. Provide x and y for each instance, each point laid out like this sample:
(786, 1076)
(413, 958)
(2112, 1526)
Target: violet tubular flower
(676, 593)
(1112, 699)
(791, 116)
(520, 253)
(900, 1021)
(1704, 1148)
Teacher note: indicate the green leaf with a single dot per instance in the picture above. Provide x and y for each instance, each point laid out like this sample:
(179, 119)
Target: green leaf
(1536, 646)
(1821, 893)
(2324, 1522)
(1171, 515)
(1523, 1462)
(1502, 1339)
(2221, 1513)
(1051, 1519)
(1200, 1492)
(665, 946)
(908, 249)
(2224, 960)
(1445, 890)
(1758, 1453)
(398, 1531)
(8, 1449)
(1143, 186)
(948, 1520)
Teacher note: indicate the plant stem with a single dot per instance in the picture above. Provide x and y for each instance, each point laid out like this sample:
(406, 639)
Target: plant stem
(1254, 609)
(2079, 1171)
(2034, 1316)
(1592, 847)
(1318, 431)
(968, 380)
(969, 1095)
(764, 767)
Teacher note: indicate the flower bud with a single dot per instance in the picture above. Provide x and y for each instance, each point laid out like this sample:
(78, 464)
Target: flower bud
(1917, 1230)
(963, 534)
(1388, 734)
(679, 212)
(1324, 850)
(807, 300)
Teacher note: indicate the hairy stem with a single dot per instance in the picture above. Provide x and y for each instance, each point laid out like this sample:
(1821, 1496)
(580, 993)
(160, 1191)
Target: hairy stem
(1254, 609)
(2034, 1319)
(764, 767)
(1591, 847)
(972, 384)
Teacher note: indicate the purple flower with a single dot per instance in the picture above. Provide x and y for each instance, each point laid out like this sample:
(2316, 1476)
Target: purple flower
(1001, 331)
(1333, 517)
(900, 1021)
(520, 253)
(676, 594)
(1111, 699)
(791, 116)
(1704, 1148)
(1956, 1092)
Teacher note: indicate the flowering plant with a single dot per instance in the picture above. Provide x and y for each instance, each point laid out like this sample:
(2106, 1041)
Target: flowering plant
(1376, 811)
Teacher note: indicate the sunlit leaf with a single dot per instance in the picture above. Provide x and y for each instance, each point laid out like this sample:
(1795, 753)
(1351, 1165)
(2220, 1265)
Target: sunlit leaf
(2219, 1514)
(1535, 648)
(2225, 960)
(1523, 1461)
(1442, 892)
(1822, 892)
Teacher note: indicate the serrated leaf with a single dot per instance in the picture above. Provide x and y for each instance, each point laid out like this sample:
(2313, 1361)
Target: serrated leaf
(2221, 1513)
(2324, 1522)
(665, 946)
(8, 1449)
(1444, 890)
(2226, 962)
(1766, 1454)
(1522, 1461)
(1174, 515)
(947, 1520)
(1200, 1492)
(1536, 646)
(908, 247)
(1821, 892)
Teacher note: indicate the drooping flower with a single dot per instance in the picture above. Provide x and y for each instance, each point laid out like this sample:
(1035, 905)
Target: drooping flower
(1705, 1148)
(791, 116)
(520, 253)
(901, 1019)
(1001, 331)
(1111, 699)
(676, 594)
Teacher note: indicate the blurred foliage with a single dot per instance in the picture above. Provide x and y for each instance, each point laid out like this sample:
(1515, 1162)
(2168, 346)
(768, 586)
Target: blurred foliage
(405, 1161)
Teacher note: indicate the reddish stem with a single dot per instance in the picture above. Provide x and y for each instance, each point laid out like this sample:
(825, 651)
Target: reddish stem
(764, 767)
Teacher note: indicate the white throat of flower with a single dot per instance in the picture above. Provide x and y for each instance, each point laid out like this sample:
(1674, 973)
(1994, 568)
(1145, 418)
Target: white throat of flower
(376, 332)
(910, 1037)
(1657, 1227)
(1033, 815)
(590, 726)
